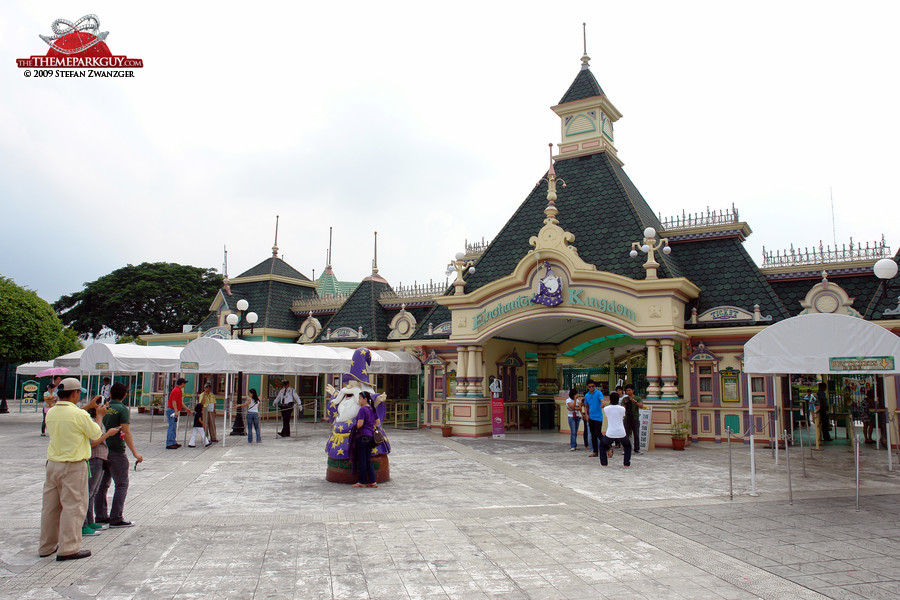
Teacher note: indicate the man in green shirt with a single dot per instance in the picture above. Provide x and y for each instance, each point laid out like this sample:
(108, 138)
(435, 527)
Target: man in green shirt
(117, 415)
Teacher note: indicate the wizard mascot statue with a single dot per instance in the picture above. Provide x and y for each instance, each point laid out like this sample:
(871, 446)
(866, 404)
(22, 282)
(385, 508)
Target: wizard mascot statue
(342, 410)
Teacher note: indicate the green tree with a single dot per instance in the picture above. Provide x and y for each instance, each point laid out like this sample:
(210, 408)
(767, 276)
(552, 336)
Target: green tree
(29, 330)
(142, 299)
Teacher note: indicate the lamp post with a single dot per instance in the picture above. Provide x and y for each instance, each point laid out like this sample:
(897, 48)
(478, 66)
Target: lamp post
(885, 270)
(648, 247)
(460, 265)
(249, 320)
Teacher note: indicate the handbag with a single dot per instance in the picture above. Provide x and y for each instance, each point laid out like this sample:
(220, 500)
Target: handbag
(378, 437)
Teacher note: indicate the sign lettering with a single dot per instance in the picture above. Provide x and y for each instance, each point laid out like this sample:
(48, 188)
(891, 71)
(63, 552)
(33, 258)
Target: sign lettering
(861, 363)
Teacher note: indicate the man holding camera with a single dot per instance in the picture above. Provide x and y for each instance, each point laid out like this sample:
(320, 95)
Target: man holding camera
(117, 415)
(65, 494)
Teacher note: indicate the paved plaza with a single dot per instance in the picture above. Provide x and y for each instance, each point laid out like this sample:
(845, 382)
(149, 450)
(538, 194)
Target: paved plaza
(462, 518)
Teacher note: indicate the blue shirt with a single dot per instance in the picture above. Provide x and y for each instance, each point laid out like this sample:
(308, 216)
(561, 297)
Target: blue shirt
(594, 401)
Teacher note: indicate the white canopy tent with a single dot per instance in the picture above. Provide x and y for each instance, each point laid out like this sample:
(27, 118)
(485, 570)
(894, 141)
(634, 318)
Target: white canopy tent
(33, 368)
(72, 360)
(210, 355)
(809, 344)
(130, 358)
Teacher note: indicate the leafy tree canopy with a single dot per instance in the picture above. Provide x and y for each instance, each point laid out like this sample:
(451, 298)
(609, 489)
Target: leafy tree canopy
(143, 299)
(29, 329)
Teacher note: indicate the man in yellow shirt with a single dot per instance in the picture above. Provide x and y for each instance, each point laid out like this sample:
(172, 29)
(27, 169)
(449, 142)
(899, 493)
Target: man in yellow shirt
(65, 498)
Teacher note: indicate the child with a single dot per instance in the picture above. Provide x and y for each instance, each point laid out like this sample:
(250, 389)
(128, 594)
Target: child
(198, 427)
(49, 400)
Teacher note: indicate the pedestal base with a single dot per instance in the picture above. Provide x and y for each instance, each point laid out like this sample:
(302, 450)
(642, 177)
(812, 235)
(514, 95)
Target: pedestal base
(339, 470)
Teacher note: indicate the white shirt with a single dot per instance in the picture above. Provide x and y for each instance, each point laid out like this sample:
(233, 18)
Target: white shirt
(286, 396)
(253, 407)
(573, 408)
(614, 415)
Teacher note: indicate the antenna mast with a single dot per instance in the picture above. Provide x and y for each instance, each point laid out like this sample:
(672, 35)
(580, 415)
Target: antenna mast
(375, 260)
(275, 247)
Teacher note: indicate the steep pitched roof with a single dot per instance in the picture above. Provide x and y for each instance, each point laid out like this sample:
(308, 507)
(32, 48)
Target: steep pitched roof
(362, 309)
(274, 266)
(271, 301)
(437, 315)
(882, 299)
(727, 276)
(584, 86)
(328, 285)
(600, 206)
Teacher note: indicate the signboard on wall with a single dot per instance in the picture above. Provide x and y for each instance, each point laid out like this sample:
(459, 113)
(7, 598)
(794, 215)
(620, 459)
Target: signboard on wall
(30, 390)
(731, 385)
(645, 419)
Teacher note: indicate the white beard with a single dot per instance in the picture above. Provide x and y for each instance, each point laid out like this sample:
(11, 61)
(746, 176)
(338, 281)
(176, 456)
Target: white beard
(346, 400)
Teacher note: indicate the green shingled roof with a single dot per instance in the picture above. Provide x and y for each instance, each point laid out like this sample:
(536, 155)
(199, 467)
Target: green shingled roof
(362, 309)
(600, 206)
(328, 285)
(437, 315)
(584, 86)
(274, 266)
(727, 276)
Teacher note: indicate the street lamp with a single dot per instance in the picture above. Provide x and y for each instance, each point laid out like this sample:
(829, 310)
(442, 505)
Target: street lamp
(460, 265)
(237, 428)
(885, 270)
(648, 247)
(251, 318)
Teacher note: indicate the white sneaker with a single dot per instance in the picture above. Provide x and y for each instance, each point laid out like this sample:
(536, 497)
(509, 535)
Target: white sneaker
(572, 449)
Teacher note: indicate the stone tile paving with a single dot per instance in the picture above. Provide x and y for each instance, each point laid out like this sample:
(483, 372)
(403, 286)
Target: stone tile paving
(461, 518)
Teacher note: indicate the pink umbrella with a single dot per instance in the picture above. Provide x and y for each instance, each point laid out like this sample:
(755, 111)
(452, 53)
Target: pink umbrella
(52, 371)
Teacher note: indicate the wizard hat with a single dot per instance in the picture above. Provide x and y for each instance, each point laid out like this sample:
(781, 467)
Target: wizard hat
(359, 367)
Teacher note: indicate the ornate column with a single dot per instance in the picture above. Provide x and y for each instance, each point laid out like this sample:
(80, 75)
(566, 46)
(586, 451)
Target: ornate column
(653, 374)
(547, 382)
(628, 378)
(474, 381)
(669, 388)
(462, 382)
(612, 369)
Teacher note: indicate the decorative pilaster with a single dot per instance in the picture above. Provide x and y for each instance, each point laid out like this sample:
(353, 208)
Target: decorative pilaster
(462, 362)
(669, 387)
(474, 381)
(547, 381)
(653, 375)
(612, 369)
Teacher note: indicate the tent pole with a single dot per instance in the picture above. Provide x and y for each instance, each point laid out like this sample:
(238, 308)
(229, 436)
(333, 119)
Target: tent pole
(225, 404)
(753, 491)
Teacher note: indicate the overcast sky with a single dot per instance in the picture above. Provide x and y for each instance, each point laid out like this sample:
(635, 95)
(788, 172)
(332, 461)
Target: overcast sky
(429, 122)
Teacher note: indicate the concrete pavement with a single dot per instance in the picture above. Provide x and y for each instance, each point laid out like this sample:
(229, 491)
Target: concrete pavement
(461, 518)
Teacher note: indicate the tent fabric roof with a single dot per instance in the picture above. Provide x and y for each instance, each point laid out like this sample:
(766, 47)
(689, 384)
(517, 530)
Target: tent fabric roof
(72, 360)
(227, 356)
(33, 368)
(804, 344)
(130, 358)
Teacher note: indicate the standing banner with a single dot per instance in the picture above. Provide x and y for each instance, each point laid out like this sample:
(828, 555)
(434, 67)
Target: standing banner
(498, 417)
(30, 390)
(645, 416)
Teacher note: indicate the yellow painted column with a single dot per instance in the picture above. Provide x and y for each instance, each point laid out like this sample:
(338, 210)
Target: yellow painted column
(462, 362)
(653, 369)
(474, 386)
(669, 389)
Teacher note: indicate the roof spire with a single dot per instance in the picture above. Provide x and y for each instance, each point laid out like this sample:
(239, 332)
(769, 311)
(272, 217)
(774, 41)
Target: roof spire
(375, 260)
(328, 258)
(585, 65)
(275, 247)
(225, 264)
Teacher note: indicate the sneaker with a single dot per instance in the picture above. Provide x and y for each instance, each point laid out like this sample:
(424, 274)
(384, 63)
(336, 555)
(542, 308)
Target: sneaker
(122, 524)
(101, 520)
(206, 445)
(193, 446)
(89, 531)
(636, 452)
(95, 525)
(592, 454)
(572, 449)
(172, 447)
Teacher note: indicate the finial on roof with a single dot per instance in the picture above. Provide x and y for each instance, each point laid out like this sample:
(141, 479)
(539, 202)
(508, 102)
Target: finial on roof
(328, 258)
(585, 65)
(275, 247)
(225, 265)
(375, 260)
(551, 211)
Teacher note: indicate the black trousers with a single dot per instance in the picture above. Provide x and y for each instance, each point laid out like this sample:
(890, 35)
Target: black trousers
(633, 431)
(286, 414)
(596, 434)
(606, 442)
